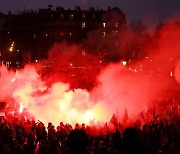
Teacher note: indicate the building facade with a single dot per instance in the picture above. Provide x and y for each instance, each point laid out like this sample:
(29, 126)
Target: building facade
(30, 35)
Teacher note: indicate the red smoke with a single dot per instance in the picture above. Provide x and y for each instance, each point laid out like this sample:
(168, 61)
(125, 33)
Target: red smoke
(122, 89)
(137, 86)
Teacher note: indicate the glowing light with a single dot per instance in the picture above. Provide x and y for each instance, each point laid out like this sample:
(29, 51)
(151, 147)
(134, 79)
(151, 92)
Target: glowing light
(21, 108)
(171, 74)
(63, 106)
(71, 16)
(36, 60)
(13, 79)
(88, 116)
(83, 24)
(124, 62)
(11, 49)
(104, 25)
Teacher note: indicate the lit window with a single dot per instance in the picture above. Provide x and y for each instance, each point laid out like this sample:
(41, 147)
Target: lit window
(116, 25)
(104, 33)
(7, 63)
(83, 24)
(34, 36)
(71, 16)
(104, 25)
(62, 16)
(83, 16)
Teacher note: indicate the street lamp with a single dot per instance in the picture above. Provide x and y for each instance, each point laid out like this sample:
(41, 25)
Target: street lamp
(11, 48)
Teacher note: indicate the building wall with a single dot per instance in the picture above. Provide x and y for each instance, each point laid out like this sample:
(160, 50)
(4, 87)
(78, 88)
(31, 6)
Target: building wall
(36, 32)
(2, 22)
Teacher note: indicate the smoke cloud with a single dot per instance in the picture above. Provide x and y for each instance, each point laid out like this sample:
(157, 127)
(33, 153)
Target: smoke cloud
(133, 87)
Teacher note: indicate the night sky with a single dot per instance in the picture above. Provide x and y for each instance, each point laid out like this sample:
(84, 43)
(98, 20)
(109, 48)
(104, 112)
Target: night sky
(150, 11)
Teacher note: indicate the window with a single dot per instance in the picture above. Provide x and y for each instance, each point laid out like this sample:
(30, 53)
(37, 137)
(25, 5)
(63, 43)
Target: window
(104, 25)
(34, 36)
(83, 16)
(116, 25)
(71, 16)
(104, 34)
(62, 16)
(83, 24)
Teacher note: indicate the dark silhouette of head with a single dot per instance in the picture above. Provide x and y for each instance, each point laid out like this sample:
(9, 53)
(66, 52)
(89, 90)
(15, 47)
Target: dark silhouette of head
(130, 136)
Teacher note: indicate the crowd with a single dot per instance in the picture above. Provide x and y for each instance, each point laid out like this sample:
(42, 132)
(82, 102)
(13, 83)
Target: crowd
(160, 135)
